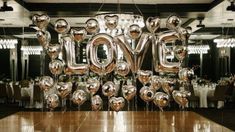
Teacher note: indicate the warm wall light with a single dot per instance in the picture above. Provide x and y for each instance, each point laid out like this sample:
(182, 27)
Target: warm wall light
(31, 50)
(198, 49)
(230, 42)
(8, 43)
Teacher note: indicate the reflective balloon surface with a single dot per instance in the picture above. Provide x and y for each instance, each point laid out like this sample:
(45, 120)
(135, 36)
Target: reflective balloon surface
(53, 50)
(173, 22)
(46, 82)
(96, 103)
(122, 68)
(128, 91)
(180, 52)
(155, 83)
(144, 76)
(64, 89)
(153, 24)
(56, 67)
(52, 101)
(79, 97)
(41, 21)
(186, 74)
(92, 26)
(109, 89)
(44, 38)
(79, 34)
(117, 103)
(62, 26)
(161, 100)
(134, 31)
(92, 85)
(146, 94)
(168, 85)
(111, 21)
(180, 97)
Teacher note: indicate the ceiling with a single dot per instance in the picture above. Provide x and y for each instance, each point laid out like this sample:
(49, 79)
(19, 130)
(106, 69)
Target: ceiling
(76, 12)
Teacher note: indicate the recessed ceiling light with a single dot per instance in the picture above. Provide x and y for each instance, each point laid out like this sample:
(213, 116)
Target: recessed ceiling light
(2, 20)
(230, 19)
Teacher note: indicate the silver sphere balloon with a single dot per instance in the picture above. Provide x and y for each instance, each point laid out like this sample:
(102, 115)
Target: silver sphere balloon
(117, 103)
(96, 103)
(53, 50)
(129, 91)
(111, 21)
(52, 101)
(46, 82)
(56, 67)
(79, 97)
(173, 22)
(134, 31)
(93, 85)
(44, 38)
(109, 89)
(64, 89)
(92, 26)
(153, 24)
(186, 74)
(161, 100)
(41, 21)
(62, 26)
(146, 94)
(122, 68)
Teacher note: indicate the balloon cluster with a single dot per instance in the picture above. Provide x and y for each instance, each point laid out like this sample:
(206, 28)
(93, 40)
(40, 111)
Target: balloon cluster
(131, 62)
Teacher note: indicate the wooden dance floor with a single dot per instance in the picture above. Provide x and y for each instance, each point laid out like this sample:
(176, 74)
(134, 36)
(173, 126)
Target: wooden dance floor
(141, 121)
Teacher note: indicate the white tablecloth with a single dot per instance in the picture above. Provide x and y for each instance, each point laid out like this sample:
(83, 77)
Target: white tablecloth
(203, 92)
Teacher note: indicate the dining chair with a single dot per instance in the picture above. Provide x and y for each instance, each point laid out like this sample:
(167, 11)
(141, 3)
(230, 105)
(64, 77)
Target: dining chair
(219, 94)
(17, 95)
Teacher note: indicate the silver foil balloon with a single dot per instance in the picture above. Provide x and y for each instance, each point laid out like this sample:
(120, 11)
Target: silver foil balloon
(173, 22)
(159, 51)
(97, 66)
(79, 34)
(146, 94)
(117, 103)
(168, 85)
(53, 50)
(70, 59)
(79, 97)
(144, 76)
(134, 31)
(180, 52)
(96, 103)
(186, 74)
(155, 83)
(41, 21)
(109, 89)
(52, 101)
(111, 21)
(46, 83)
(56, 67)
(153, 24)
(61, 26)
(161, 100)
(180, 97)
(92, 85)
(122, 68)
(134, 57)
(128, 91)
(92, 26)
(64, 89)
(44, 38)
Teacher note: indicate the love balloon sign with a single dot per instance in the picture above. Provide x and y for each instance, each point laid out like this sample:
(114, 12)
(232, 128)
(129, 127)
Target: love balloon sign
(112, 41)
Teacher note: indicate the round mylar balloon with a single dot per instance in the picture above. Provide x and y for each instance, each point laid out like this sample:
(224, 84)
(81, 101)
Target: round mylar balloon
(144, 76)
(53, 50)
(109, 89)
(46, 82)
(146, 94)
(161, 100)
(96, 103)
(173, 22)
(111, 21)
(128, 92)
(93, 85)
(52, 101)
(56, 67)
(155, 83)
(41, 21)
(134, 31)
(92, 26)
(122, 68)
(117, 103)
(79, 34)
(185, 74)
(79, 97)
(180, 97)
(44, 38)
(64, 89)
(62, 26)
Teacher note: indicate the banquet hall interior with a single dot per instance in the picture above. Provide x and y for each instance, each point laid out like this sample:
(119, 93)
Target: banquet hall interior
(117, 65)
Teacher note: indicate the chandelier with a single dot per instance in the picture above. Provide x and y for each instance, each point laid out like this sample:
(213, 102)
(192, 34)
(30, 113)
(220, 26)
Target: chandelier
(230, 42)
(198, 49)
(31, 50)
(8, 43)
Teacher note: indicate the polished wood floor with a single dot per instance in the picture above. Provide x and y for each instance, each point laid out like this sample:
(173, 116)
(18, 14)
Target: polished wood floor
(103, 121)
